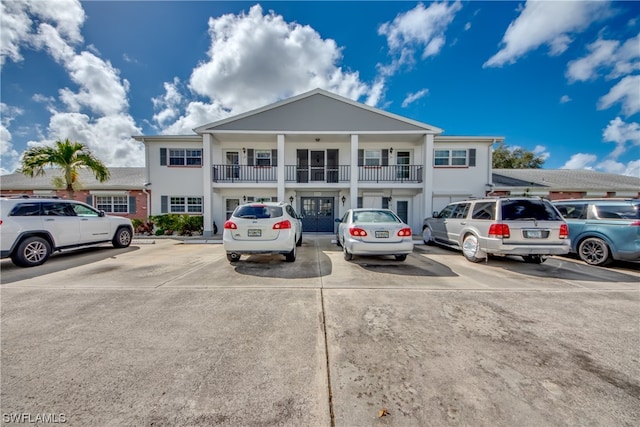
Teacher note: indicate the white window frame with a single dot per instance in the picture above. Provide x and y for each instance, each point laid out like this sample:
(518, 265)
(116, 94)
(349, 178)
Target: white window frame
(453, 157)
(185, 157)
(262, 157)
(185, 204)
(372, 157)
(108, 203)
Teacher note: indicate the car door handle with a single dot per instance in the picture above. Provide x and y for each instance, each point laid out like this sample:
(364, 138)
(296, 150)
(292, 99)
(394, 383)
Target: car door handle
(49, 219)
(463, 223)
(84, 219)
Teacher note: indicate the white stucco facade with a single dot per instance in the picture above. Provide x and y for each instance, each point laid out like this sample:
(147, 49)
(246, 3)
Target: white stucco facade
(324, 153)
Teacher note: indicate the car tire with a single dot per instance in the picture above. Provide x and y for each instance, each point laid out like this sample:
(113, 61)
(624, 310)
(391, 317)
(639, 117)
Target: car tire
(471, 249)
(427, 236)
(534, 259)
(122, 238)
(233, 257)
(338, 241)
(594, 251)
(31, 251)
(348, 256)
(291, 256)
(299, 242)
(400, 257)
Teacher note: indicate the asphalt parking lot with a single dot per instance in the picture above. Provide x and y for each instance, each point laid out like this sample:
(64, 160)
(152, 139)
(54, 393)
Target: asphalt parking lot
(169, 334)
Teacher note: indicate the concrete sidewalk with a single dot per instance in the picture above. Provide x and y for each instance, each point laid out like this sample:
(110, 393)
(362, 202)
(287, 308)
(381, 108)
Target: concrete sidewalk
(172, 334)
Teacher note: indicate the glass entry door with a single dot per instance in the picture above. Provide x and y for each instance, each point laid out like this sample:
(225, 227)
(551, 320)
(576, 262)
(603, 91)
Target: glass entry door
(318, 214)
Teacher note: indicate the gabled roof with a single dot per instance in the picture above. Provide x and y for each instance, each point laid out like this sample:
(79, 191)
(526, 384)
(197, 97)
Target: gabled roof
(121, 179)
(564, 179)
(318, 111)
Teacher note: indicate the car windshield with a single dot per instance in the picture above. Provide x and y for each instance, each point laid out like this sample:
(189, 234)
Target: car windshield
(523, 210)
(621, 211)
(258, 212)
(374, 216)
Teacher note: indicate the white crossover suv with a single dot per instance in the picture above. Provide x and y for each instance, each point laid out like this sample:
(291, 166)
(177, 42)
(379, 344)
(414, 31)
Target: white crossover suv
(31, 229)
(262, 228)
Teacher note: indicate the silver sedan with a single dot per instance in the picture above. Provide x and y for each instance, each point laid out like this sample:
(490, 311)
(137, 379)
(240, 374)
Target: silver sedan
(374, 232)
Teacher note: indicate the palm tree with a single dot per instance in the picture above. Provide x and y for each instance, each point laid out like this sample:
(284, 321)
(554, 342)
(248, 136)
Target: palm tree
(70, 157)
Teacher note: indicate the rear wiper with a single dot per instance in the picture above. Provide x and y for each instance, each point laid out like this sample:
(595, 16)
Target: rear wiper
(249, 216)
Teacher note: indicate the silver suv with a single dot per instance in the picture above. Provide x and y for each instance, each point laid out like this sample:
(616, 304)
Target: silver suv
(530, 227)
(31, 229)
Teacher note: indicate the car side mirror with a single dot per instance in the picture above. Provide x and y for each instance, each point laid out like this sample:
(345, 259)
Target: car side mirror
(435, 214)
(101, 213)
(338, 220)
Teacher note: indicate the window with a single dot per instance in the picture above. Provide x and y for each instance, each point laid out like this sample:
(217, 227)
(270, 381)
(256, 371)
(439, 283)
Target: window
(450, 158)
(185, 204)
(188, 157)
(263, 157)
(372, 157)
(82, 210)
(112, 204)
(231, 204)
(484, 210)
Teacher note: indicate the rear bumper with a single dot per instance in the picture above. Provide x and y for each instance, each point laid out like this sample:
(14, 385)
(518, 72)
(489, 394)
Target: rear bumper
(496, 246)
(282, 245)
(358, 247)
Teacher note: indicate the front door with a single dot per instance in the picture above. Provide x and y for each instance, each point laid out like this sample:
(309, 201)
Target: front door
(318, 214)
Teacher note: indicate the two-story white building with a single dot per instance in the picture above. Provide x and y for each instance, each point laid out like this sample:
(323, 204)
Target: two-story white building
(322, 152)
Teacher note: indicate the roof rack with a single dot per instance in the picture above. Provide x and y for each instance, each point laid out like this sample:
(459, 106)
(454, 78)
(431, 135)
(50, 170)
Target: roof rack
(27, 196)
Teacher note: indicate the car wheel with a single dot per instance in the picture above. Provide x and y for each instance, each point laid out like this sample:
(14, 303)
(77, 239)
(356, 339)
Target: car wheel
(122, 239)
(31, 251)
(338, 241)
(233, 257)
(400, 257)
(534, 259)
(299, 242)
(291, 256)
(471, 249)
(348, 256)
(594, 251)
(427, 236)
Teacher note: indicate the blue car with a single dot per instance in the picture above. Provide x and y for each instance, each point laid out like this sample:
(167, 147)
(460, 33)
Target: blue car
(603, 230)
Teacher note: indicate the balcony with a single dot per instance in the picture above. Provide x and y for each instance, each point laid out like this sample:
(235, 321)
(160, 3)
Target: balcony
(313, 174)
(243, 173)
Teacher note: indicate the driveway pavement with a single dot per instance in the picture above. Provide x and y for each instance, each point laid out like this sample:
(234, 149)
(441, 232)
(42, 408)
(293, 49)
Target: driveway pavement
(169, 334)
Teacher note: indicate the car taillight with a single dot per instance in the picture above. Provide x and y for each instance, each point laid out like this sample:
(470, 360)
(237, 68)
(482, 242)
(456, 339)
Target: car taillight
(230, 225)
(404, 232)
(282, 225)
(633, 224)
(564, 231)
(357, 232)
(500, 231)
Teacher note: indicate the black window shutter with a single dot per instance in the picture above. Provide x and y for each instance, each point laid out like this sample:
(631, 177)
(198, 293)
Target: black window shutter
(385, 157)
(359, 202)
(163, 157)
(472, 157)
(385, 203)
(274, 157)
(164, 204)
(132, 204)
(250, 157)
(90, 200)
(360, 157)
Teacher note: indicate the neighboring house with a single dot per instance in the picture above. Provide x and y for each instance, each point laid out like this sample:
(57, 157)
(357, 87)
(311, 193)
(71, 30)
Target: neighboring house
(557, 184)
(322, 152)
(123, 195)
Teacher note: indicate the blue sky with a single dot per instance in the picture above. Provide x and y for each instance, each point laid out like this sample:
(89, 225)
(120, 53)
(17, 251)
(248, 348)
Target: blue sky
(560, 78)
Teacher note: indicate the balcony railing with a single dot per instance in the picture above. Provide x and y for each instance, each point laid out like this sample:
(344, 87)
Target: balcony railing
(311, 174)
(243, 173)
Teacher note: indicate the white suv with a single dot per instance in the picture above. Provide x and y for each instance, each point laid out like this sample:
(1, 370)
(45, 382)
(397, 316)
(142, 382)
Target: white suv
(31, 229)
(262, 228)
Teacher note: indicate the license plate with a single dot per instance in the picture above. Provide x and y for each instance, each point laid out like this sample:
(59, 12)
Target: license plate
(382, 234)
(534, 234)
(254, 233)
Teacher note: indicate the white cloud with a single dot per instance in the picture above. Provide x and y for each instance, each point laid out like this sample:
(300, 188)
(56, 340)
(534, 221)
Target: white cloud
(564, 99)
(421, 28)
(256, 59)
(580, 161)
(541, 151)
(9, 157)
(412, 97)
(611, 166)
(549, 23)
(96, 113)
(626, 92)
(621, 133)
(620, 59)
(20, 17)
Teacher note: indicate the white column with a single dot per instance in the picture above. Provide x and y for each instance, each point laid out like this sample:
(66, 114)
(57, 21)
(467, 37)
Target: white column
(281, 168)
(427, 182)
(353, 187)
(207, 188)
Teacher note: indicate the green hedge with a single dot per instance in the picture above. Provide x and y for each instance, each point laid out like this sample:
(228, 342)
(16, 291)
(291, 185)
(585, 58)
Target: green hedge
(181, 224)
